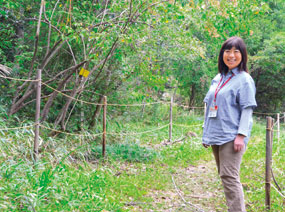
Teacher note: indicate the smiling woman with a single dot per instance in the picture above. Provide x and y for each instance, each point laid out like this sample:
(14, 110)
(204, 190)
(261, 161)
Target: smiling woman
(228, 121)
(232, 57)
(233, 54)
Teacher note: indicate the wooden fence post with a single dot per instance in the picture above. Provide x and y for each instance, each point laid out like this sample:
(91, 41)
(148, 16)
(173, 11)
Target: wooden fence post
(38, 111)
(104, 126)
(268, 160)
(170, 119)
(278, 127)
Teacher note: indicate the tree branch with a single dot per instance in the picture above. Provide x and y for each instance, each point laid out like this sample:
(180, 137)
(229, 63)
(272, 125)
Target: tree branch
(37, 35)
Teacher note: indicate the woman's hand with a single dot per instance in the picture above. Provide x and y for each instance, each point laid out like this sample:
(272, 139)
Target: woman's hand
(239, 143)
(206, 145)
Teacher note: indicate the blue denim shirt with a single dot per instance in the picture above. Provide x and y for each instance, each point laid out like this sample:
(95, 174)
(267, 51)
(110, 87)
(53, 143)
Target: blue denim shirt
(237, 94)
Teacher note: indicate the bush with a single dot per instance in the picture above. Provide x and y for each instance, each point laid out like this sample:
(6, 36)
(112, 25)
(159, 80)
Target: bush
(128, 152)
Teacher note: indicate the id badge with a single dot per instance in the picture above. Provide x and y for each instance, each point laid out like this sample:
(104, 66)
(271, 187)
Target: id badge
(213, 111)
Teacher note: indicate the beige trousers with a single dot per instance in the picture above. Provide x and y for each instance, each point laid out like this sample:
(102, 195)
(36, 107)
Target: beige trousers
(228, 162)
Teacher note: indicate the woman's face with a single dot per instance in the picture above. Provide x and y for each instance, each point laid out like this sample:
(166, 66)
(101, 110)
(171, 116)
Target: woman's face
(232, 57)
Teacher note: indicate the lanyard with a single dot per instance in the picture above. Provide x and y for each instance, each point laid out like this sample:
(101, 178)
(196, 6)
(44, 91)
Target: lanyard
(218, 89)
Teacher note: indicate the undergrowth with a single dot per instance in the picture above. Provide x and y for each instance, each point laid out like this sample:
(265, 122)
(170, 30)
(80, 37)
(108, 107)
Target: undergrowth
(71, 175)
(128, 152)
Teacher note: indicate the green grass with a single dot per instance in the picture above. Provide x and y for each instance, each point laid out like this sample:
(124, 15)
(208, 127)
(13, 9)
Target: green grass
(253, 170)
(71, 175)
(128, 152)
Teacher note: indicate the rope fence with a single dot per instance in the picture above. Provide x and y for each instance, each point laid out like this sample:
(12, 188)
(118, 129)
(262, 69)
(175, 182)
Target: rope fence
(17, 128)
(268, 158)
(16, 79)
(139, 133)
(67, 133)
(92, 103)
(186, 106)
(122, 105)
(105, 104)
(270, 127)
(187, 126)
(68, 96)
(265, 113)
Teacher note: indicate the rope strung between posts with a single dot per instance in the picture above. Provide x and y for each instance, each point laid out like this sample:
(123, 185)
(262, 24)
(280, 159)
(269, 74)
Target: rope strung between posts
(74, 134)
(278, 189)
(275, 123)
(134, 105)
(186, 106)
(17, 128)
(125, 105)
(272, 128)
(92, 103)
(23, 80)
(265, 113)
(108, 133)
(278, 131)
(181, 125)
(138, 133)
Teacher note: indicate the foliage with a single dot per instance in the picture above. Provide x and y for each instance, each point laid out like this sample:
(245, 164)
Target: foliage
(136, 52)
(270, 79)
(128, 152)
(168, 47)
(65, 178)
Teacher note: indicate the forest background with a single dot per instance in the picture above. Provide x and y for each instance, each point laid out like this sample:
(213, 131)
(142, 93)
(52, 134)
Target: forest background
(135, 52)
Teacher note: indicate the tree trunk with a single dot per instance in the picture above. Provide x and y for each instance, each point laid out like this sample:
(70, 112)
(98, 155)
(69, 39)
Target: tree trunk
(53, 96)
(192, 95)
(96, 112)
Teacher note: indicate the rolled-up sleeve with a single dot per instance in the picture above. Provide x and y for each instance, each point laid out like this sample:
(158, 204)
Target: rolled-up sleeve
(244, 124)
(246, 94)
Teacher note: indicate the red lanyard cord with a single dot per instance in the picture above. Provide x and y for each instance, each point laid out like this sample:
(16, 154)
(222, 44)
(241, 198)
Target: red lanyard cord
(218, 89)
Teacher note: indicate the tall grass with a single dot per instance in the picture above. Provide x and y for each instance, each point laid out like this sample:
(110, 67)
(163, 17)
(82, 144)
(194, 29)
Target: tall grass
(70, 174)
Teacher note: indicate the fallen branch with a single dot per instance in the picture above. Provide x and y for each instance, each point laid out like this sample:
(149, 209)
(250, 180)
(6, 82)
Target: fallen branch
(276, 182)
(278, 192)
(179, 140)
(187, 203)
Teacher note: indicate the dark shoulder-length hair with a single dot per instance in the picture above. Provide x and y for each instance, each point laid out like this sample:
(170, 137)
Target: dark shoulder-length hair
(239, 44)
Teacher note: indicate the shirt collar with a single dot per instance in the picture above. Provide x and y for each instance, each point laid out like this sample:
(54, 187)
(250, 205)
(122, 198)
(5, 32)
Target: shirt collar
(234, 71)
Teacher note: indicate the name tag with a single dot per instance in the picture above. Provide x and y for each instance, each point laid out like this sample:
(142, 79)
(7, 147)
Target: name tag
(213, 111)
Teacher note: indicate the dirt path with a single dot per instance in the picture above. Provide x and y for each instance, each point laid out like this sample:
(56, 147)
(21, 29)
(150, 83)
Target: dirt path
(198, 185)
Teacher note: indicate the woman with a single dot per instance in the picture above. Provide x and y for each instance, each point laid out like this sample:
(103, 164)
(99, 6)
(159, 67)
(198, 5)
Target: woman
(228, 120)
